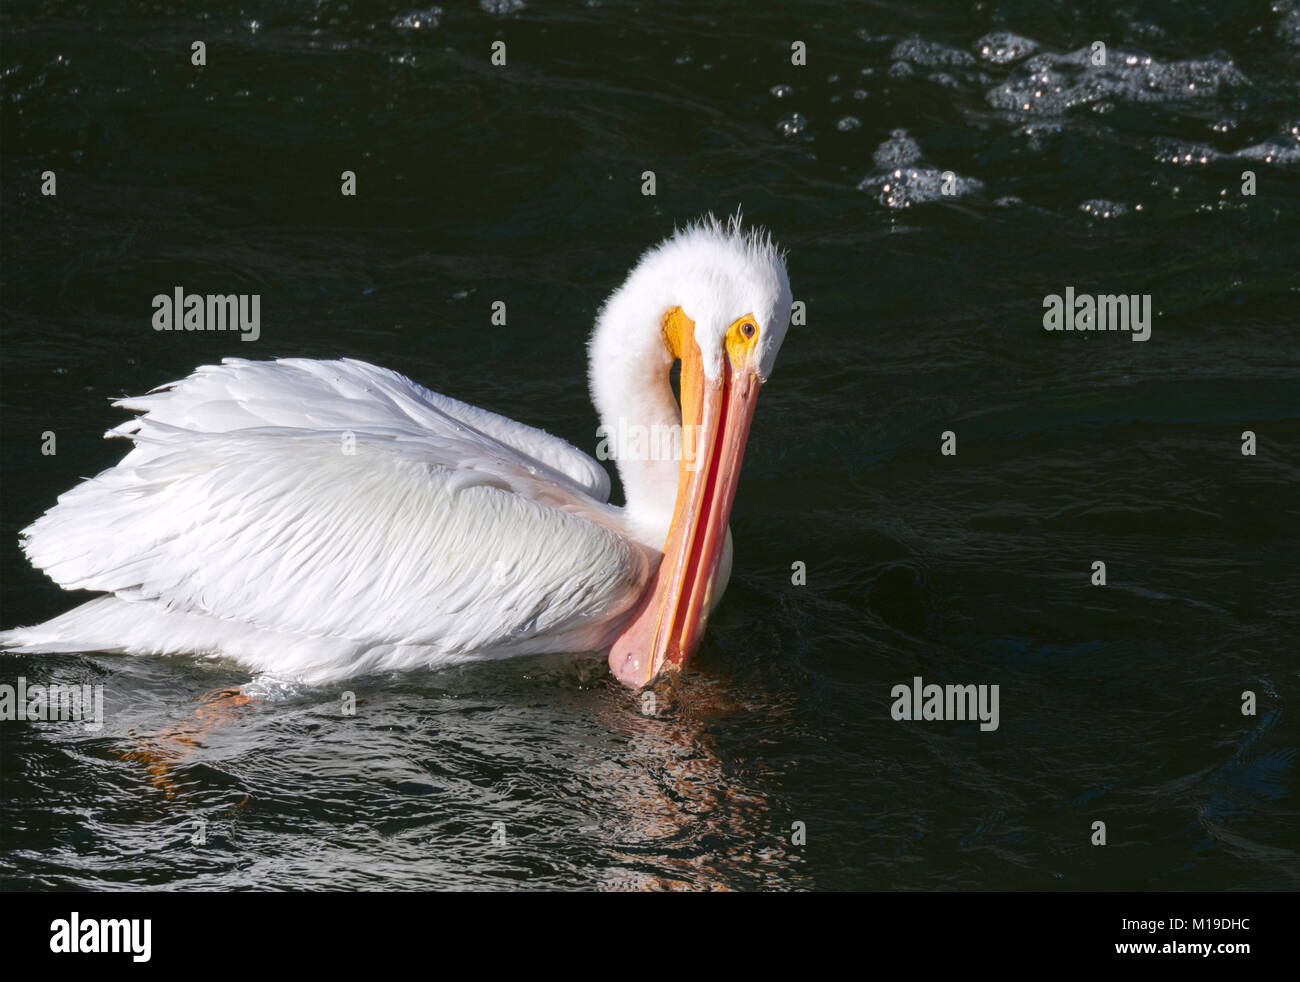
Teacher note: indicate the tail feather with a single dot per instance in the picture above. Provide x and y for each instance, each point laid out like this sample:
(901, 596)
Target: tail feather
(141, 627)
(102, 624)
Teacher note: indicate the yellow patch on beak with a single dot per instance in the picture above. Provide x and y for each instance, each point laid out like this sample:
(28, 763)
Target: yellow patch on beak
(741, 340)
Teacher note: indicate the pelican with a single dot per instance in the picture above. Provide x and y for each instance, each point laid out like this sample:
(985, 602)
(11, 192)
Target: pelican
(316, 520)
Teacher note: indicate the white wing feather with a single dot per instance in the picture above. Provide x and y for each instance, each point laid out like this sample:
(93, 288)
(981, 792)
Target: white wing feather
(307, 394)
(316, 519)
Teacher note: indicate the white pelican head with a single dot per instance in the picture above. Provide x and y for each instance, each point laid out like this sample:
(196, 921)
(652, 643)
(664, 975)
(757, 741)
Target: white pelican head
(716, 298)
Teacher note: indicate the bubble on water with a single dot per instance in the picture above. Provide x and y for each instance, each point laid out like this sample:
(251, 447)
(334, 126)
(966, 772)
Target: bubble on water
(898, 150)
(499, 8)
(782, 91)
(1288, 28)
(931, 54)
(909, 186)
(1003, 47)
(1272, 152)
(1281, 149)
(1050, 84)
(1101, 208)
(792, 125)
(1184, 154)
(859, 93)
(937, 63)
(418, 20)
(848, 123)
(268, 688)
(902, 180)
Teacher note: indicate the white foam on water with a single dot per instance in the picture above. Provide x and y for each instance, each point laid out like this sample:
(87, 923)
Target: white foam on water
(1050, 84)
(1004, 47)
(419, 20)
(903, 179)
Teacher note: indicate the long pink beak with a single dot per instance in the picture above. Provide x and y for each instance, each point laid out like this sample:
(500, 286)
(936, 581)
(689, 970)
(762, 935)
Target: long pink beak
(671, 618)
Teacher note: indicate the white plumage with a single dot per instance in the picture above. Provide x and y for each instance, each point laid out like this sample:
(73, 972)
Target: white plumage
(320, 519)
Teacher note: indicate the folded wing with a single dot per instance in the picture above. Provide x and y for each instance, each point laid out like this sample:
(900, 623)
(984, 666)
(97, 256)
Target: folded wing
(341, 501)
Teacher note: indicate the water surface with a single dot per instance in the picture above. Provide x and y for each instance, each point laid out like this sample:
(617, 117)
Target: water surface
(476, 183)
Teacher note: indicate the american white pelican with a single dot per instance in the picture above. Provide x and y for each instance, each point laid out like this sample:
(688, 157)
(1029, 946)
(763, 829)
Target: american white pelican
(314, 520)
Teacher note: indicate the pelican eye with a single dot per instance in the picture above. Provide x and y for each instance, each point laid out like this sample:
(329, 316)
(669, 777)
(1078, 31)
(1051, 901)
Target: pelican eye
(741, 340)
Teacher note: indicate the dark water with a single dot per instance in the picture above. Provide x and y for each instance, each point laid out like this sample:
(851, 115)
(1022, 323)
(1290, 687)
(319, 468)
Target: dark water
(1118, 704)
